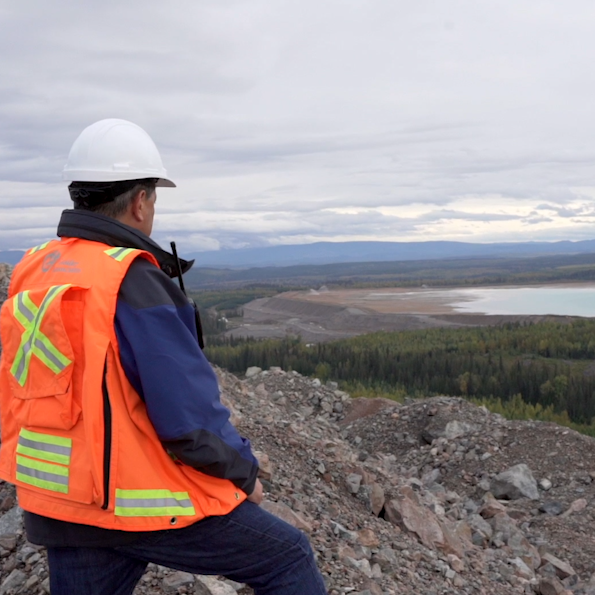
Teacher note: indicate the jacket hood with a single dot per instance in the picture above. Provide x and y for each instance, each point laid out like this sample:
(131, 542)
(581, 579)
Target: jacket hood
(86, 225)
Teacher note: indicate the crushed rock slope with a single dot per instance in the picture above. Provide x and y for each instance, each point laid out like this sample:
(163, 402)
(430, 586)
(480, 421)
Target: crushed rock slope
(331, 465)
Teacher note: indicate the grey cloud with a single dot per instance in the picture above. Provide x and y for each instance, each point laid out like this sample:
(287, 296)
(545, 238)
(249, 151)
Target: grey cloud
(461, 215)
(566, 212)
(281, 110)
(317, 225)
(25, 237)
(536, 220)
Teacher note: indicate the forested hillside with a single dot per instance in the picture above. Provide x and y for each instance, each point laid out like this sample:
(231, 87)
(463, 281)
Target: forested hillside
(548, 364)
(451, 272)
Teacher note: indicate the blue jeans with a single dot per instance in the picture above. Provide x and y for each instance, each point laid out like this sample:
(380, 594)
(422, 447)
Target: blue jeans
(248, 545)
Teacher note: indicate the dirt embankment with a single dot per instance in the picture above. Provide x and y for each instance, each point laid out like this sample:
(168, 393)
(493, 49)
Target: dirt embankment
(325, 316)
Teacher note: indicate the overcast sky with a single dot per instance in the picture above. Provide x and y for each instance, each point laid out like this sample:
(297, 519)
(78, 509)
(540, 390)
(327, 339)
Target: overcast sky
(293, 121)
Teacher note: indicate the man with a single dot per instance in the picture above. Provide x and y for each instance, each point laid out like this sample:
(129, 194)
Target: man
(112, 427)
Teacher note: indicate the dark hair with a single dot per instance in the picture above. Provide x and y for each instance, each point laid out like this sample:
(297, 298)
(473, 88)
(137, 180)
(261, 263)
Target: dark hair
(108, 198)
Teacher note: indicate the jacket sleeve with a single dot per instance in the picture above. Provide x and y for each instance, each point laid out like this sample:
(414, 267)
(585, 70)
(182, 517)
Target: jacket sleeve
(159, 351)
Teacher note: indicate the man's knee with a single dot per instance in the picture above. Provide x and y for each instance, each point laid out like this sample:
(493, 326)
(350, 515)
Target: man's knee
(302, 567)
(304, 543)
(301, 549)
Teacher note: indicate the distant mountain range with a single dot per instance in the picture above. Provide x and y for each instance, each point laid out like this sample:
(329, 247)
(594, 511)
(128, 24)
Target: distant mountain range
(11, 256)
(340, 252)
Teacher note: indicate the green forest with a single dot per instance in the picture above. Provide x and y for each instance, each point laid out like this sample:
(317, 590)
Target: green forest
(544, 370)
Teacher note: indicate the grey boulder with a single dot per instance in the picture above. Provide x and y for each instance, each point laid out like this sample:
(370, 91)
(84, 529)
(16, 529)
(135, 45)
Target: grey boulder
(514, 483)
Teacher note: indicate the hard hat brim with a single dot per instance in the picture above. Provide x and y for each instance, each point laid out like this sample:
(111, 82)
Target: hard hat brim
(69, 176)
(165, 183)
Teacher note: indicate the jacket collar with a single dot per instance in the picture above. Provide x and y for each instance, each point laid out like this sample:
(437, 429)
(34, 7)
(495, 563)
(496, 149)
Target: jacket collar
(86, 225)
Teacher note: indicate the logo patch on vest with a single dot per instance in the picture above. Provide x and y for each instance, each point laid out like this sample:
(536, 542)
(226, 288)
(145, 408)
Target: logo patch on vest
(50, 260)
(50, 263)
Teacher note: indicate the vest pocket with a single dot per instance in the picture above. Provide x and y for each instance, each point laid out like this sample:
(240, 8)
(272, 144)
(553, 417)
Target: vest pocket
(48, 464)
(41, 351)
(54, 412)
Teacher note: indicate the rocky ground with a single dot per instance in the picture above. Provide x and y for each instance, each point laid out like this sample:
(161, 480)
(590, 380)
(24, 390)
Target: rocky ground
(433, 497)
(395, 498)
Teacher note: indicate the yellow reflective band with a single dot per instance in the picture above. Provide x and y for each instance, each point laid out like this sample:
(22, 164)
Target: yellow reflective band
(47, 438)
(38, 248)
(44, 446)
(33, 341)
(42, 475)
(145, 503)
(119, 254)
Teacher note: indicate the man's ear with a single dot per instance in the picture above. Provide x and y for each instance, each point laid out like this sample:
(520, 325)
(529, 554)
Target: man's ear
(137, 206)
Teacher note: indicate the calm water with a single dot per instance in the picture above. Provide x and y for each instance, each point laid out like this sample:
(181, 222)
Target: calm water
(562, 300)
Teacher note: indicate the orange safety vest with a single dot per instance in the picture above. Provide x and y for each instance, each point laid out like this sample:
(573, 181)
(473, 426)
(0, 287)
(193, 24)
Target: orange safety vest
(76, 438)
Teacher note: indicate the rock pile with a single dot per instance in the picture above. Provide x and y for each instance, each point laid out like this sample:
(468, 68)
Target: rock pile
(427, 470)
(433, 497)
(5, 270)
(395, 498)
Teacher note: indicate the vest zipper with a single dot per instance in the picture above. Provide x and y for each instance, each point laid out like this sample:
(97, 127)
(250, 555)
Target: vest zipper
(107, 438)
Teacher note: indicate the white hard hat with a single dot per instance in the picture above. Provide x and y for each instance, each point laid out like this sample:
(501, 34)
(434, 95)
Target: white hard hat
(113, 151)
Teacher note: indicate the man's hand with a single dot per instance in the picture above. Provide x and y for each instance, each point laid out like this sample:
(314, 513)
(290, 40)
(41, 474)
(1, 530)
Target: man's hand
(257, 494)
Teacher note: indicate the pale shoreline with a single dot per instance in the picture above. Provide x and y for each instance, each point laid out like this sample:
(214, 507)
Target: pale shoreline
(407, 300)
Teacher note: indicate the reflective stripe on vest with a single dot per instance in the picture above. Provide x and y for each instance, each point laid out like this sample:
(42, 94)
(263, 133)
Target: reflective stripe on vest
(42, 475)
(153, 503)
(119, 254)
(38, 248)
(33, 341)
(45, 447)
